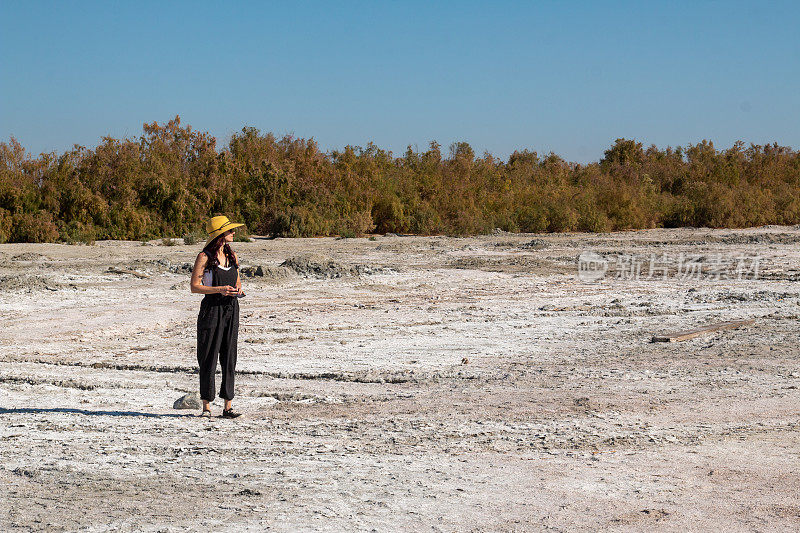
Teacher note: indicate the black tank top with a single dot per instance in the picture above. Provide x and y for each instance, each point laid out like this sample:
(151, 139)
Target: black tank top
(219, 278)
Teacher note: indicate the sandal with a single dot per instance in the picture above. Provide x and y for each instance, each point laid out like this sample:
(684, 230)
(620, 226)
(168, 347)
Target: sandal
(206, 413)
(230, 413)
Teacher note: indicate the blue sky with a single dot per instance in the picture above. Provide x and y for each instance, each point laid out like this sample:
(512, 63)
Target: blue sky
(567, 77)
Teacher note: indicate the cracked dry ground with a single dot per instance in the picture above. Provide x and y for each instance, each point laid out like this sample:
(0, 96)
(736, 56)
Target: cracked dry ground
(472, 384)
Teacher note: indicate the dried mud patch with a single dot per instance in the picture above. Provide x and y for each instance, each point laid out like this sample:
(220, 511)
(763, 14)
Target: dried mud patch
(267, 273)
(30, 257)
(535, 244)
(323, 267)
(513, 264)
(357, 415)
(28, 283)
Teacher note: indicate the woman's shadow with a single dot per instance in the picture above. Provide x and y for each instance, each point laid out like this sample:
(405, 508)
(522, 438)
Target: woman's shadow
(39, 410)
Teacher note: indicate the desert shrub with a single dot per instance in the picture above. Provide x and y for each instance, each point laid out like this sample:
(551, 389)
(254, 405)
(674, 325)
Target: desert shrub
(75, 231)
(170, 179)
(358, 223)
(33, 227)
(389, 216)
(678, 213)
(5, 226)
(302, 222)
(133, 224)
(241, 236)
(593, 220)
(425, 220)
(531, 218)
(193, 237)
(562, 217)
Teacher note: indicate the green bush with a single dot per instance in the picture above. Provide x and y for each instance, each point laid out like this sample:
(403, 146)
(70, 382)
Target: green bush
(29, 227)
(170, 179)
(193, 238)
(5, 226)
(388, 215)
(75, 231)
(241, 236)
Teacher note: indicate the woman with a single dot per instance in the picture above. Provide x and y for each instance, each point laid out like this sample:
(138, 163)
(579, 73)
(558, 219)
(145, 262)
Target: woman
(216, 274)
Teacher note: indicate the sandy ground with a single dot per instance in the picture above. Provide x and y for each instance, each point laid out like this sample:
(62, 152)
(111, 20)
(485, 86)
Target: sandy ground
(445, 384)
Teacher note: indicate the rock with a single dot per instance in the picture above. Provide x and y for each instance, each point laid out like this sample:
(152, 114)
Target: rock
(188, 401)
(535, 244)
(586, 403)
(183, 268)
(252, 271)
(266, 272)
(25, 473)
(115, 270)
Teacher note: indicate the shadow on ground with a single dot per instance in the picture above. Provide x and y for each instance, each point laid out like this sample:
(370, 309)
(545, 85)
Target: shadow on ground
(36, 410)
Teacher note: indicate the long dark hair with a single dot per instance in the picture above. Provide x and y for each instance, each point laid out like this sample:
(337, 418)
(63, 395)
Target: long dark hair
(212, 251)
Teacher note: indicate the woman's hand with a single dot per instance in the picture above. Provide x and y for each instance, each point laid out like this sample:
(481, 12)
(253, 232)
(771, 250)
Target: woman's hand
(227, 290)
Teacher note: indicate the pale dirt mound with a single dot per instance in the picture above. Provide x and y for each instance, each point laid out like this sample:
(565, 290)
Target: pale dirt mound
(326, 268)
(30, 256)
(761, 238)
(680, 238)
(514, 264)
(534, 244)
(22, 282)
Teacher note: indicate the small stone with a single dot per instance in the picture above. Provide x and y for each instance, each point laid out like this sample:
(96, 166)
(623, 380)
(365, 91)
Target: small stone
(252, 271)
(188, 401)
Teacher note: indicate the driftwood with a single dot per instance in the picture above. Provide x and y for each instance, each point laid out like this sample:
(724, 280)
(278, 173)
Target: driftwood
(692, 333)
(140, 275)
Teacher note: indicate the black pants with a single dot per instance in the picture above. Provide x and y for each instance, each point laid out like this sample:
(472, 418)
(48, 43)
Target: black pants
(217, 335)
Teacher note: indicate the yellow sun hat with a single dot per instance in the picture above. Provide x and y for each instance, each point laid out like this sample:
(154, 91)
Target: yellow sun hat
(217, 226)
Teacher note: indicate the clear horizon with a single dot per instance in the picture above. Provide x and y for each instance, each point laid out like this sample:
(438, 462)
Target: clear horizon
(566, 78)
